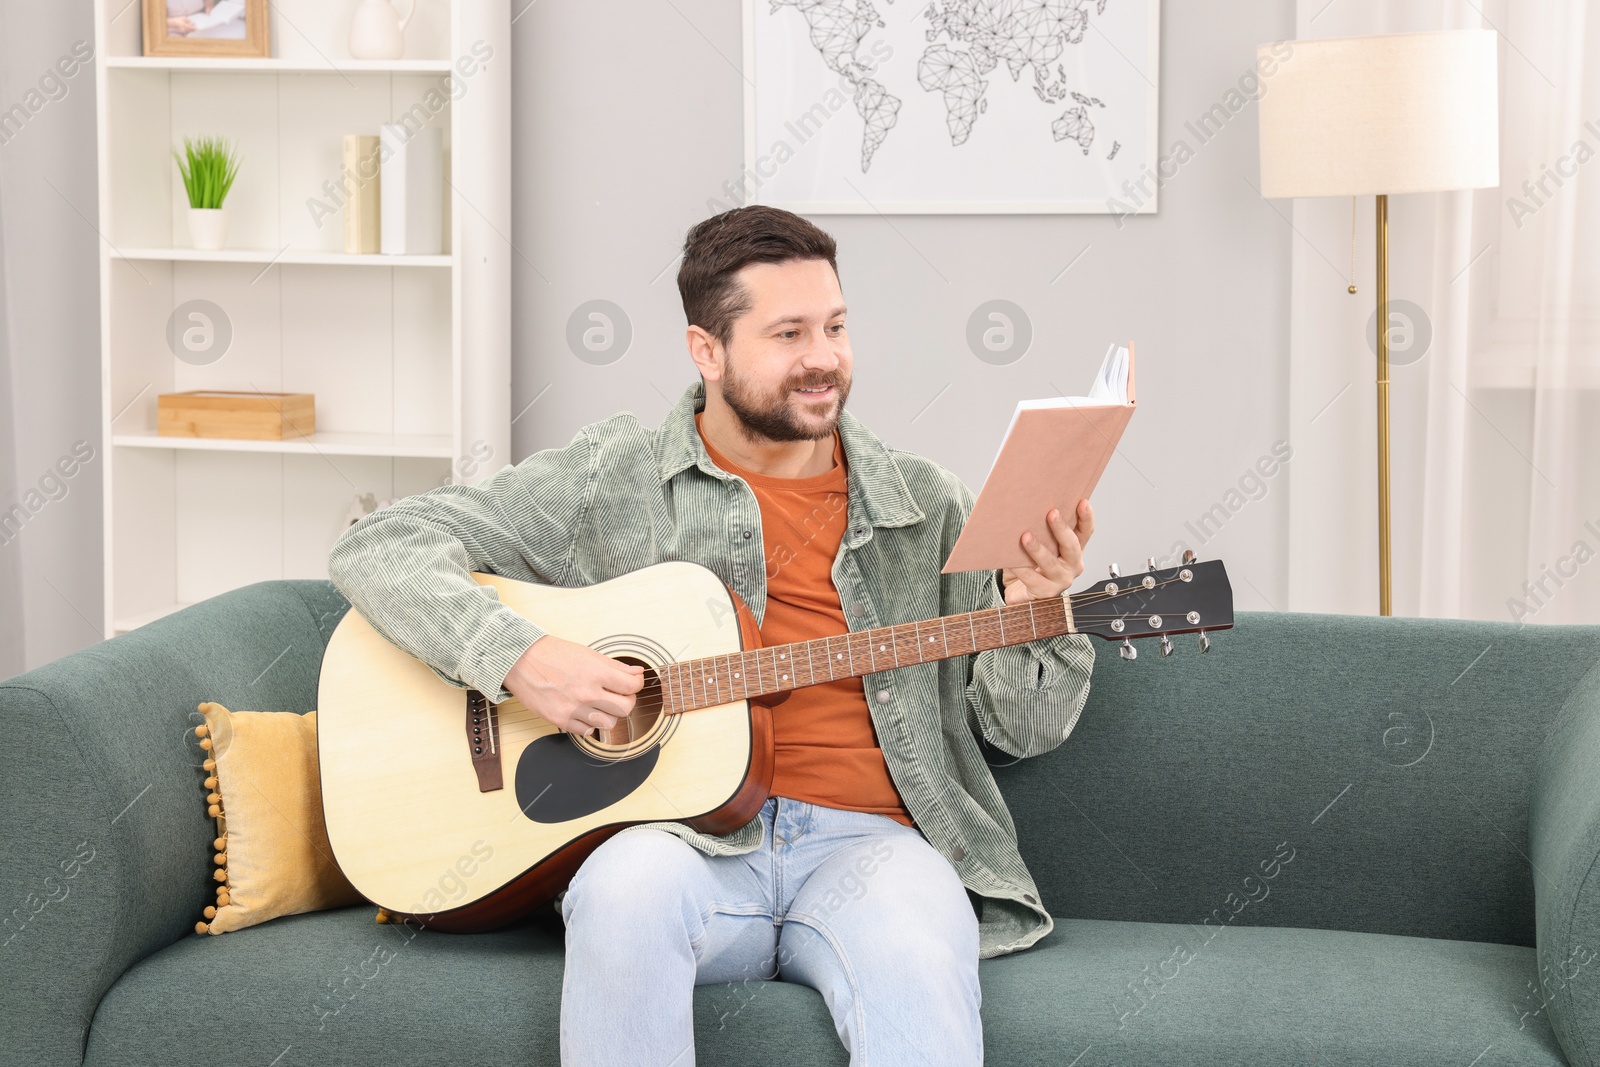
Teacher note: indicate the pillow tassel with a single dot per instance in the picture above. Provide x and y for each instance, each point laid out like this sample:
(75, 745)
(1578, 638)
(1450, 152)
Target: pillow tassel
(214, 810)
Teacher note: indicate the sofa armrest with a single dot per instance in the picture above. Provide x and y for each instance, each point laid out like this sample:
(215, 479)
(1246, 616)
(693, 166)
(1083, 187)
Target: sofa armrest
(101, 807)
(1564, 839)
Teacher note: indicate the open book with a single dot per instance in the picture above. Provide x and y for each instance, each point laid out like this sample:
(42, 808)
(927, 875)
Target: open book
(1052, 455)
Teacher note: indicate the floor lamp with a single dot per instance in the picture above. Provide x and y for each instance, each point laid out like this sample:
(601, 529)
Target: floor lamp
(1375, 116)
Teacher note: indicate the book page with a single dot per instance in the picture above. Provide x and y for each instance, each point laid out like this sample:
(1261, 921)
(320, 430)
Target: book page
(1110, 386)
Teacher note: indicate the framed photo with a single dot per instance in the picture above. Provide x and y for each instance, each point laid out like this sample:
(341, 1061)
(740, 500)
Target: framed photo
(206, 28)
(952, 107)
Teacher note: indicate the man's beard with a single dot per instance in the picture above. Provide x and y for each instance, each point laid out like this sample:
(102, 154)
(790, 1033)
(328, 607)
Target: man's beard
(775, 417)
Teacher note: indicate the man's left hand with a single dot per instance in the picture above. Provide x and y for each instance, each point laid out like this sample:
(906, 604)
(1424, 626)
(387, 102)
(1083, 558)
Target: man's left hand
(1050, 575)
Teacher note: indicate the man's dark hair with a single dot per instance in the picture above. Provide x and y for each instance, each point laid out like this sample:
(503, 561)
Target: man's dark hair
(719, 247)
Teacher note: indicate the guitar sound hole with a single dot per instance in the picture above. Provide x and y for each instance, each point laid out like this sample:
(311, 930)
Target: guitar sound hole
(646, 708)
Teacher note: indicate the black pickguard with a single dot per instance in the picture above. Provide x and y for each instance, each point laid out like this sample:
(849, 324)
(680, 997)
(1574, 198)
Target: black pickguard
(557, 781)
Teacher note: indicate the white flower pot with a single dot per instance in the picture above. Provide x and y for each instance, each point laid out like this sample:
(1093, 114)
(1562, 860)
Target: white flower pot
(208, 227)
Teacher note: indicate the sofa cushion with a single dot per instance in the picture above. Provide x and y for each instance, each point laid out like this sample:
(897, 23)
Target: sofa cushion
(335, 987)
(1260, 995)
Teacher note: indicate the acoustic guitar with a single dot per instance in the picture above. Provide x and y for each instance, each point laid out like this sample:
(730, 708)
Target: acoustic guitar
(466, 814)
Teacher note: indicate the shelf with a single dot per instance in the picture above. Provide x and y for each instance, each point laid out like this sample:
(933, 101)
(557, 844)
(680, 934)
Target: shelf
(248, 65)
(416, 446)
(426, 352)
(133, 622)
(294, 256)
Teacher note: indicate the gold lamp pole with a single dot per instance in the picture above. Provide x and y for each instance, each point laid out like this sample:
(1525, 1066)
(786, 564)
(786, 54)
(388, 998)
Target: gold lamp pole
(1372, 116)
(1383, 403)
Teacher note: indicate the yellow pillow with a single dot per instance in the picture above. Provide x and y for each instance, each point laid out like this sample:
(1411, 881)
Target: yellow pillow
(272, 851)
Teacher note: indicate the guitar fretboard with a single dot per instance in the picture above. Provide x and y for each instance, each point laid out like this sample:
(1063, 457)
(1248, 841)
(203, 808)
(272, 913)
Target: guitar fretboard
(701, 683)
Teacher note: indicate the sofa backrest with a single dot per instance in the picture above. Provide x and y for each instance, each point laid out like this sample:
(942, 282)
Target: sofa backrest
(1328, 771)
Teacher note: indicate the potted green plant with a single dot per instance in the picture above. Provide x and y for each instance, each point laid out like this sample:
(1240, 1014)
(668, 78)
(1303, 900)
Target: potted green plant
(208, 167)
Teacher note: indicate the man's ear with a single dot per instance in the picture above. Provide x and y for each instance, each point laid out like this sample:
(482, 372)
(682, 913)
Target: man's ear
(703, 350)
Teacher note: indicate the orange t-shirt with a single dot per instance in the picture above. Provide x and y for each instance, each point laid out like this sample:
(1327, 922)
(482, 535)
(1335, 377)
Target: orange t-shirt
(827, 751)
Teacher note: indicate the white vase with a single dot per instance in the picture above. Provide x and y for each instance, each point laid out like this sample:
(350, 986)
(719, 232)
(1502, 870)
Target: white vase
(377, 31)
(208, 227)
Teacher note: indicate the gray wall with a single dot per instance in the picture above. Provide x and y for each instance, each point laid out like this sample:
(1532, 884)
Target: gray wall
(627, 119)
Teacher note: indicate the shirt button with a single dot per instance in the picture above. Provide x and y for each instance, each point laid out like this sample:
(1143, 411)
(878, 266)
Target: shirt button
(1029, 898)
(958, 854)
(747, 535)
(858, 609)
(883, 696)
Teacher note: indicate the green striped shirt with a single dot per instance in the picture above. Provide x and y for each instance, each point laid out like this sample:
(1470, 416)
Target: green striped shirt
(622, 496)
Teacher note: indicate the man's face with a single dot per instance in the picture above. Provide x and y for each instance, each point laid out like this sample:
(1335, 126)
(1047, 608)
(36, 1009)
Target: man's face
(792, 339)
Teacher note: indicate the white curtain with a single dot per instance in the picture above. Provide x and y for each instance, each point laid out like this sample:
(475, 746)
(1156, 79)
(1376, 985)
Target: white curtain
(1496, 425)
(50, 572)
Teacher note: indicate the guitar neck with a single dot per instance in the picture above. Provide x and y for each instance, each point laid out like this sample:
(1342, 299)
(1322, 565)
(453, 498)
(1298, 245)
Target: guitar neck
(701, 683)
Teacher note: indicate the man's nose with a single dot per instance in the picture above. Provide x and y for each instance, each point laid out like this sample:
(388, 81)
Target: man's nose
(820, 355)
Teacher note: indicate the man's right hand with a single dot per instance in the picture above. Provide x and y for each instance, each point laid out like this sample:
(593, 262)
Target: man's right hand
(572, 686)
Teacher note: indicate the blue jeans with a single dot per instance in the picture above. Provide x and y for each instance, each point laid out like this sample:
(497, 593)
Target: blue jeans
(855, 905)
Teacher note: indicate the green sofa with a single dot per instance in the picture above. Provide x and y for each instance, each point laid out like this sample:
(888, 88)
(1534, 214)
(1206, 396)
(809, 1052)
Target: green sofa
(1333, 840)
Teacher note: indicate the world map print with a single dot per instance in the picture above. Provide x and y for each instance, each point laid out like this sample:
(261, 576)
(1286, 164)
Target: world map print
(1069, 76)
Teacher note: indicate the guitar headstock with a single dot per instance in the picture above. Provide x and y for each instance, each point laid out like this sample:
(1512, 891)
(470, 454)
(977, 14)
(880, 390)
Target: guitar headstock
(1192, 597)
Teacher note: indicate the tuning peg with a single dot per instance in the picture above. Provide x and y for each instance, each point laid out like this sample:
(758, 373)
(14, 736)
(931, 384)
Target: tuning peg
(1114, 572)
(1128, 651)
(1188, 555)
(1150, 562)
(1166, 645)
(1205, 641)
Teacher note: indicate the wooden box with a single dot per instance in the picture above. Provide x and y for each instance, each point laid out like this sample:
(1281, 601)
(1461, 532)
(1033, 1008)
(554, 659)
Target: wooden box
(254, 416)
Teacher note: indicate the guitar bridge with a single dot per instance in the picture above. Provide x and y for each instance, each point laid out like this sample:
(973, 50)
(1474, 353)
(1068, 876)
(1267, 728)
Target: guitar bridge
(483, 741)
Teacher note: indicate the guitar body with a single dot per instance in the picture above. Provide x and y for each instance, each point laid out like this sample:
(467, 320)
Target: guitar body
(468, 815)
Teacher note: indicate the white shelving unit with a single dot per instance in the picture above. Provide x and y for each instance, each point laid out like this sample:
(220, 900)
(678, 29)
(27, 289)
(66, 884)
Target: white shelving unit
(409, 357)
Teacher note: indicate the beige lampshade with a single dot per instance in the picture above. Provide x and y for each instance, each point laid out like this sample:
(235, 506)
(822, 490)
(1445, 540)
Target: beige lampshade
(1398, 113)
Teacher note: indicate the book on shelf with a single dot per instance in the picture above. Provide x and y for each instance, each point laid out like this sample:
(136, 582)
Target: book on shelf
(363, 206)
(413, 190)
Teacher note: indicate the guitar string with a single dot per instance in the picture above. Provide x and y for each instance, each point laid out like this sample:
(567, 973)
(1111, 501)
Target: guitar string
(1088, 597)
(512, 728)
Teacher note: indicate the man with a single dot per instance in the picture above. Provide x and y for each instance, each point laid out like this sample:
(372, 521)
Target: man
(885, 840)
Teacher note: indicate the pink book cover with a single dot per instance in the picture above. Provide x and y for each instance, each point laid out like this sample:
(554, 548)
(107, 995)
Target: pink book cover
(1052, 457)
